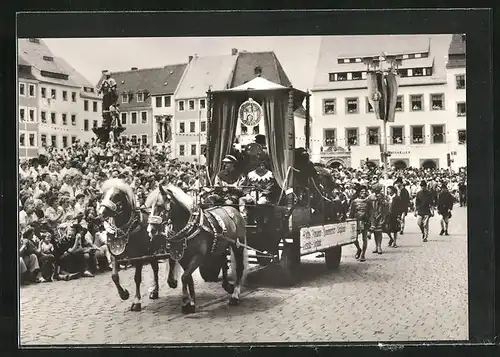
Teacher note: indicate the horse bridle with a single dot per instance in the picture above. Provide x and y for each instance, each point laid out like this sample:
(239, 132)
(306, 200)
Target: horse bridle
(127, 227)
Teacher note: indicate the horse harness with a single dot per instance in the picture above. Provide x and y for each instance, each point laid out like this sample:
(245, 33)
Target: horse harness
(118, 237)
(199, 221)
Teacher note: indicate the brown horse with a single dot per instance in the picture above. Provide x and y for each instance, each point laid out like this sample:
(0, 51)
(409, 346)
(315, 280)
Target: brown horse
(196, 236)
(128, 238)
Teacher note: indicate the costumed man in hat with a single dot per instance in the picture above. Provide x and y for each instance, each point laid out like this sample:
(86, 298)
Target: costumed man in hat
(405, 201)
(424, 209)
(230, 179)
(258, 186)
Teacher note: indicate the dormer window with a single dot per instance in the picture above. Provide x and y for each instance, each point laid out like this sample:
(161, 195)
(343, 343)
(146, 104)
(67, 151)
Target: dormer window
(418, 72)
(357, 76)
(403, 72)
(48, 58)
(341, 76)
(125, 98)
(34, 40)
(140, 97)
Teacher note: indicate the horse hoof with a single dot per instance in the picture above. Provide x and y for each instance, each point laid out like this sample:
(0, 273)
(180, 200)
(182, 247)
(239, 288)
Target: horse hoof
(124, 295)
(188, 309)
(172, 283)
(153, 295)
(228, 287)
(135, 307)
(234, 301)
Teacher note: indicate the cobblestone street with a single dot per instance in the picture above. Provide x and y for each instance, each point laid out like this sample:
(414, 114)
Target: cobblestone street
(415, 292)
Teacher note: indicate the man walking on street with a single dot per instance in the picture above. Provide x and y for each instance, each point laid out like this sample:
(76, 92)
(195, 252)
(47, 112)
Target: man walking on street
(444, 207)
(405, 202)
(423, 209)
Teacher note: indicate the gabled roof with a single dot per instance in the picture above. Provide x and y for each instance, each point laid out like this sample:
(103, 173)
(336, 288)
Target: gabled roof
(204, 73)
(160, 80)
(22, 62)
(457, 45)
(333, 48)
(268, 63)
(33, 54)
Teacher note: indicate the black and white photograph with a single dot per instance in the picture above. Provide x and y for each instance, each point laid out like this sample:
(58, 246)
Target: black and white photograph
(250, 189)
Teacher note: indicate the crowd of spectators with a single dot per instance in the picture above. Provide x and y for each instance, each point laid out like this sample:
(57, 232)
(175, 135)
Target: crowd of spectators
(62, 238)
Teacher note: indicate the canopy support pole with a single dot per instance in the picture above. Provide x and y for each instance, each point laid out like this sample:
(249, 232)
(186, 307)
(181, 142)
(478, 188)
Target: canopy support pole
(308, 122)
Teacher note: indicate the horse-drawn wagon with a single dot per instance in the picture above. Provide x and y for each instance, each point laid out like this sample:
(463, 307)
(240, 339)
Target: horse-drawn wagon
(299, 221)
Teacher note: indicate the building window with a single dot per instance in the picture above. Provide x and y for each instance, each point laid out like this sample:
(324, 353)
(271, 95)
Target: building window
(329, 106)
(192, 126)
(373, 136)
(22, 139)
(182, 127)
(403, 72)
(86, 105)
(461, 109)
(399, 104)
(462, 137)
(140, 97)
(437, 132)
(32, 140)
(22, 89)
(124, 118)
(191, 105)
(202, 103)
(203, 149)
(417, 134)
(32, 115)
(73, 97)
(53, 94)
(86, 125)
(329, 137)
(369, 108)
(34, 40)
(65, 96)
(43, 139)
(158, 101)
(460, 81)
(181, 150)
(417, 102)
(94, 106)
(331, 77)
(203, 126)
(397, 135)
(341, 76)
(181, 105)
(53, 118)
(124, 139)
(352, 105)
(53, 141)
(43, 92)
(417, 72)
(64, 119)
(73, 119)
(22, 114)
(133, 139)
(167, 101)
(32, 90)
(73, 139)
(437, 101)
(352, 135)
(125, 98)
(65, 141)
(144, 139)
(193, 150)
(356, 76)
(144, 117)
(95, 123)
(133, 119)
(43, 117)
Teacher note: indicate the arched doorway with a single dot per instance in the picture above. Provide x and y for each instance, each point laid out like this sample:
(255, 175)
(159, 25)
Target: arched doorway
(399, 165)
(335, 165)
(429, 164)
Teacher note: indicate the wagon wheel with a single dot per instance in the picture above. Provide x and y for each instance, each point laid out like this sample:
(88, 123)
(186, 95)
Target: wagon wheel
(332, 257)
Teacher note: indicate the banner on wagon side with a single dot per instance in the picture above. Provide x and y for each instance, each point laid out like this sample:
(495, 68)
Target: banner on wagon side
(316, 238)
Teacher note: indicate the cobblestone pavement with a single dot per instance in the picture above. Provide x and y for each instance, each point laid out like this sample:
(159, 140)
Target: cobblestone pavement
(415, 292)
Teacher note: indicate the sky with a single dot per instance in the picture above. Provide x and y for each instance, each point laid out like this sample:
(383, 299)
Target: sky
(297, 54)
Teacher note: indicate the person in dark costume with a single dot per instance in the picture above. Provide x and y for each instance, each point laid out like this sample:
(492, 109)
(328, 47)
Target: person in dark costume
(444, 207)
(393, 225)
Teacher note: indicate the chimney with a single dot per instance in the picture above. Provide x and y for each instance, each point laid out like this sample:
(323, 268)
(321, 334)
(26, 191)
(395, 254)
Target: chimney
(104, 71)
(234, 51)
(190, 58)
(133, 69)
